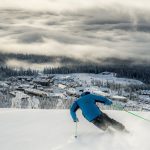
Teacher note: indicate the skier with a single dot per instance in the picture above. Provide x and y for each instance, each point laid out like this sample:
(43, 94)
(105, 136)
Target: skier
(87, 104)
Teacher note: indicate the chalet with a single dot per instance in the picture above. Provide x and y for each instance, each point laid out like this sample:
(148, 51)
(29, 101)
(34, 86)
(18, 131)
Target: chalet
(145, 92)
(12, 79)
(43, 82)
(144, 99)
(109, 73)
(45, 76)
(62, 86)
(25, 78)
(35, 92)
(50, 90)
(3, 85)
(146, 108)
(71, 91)
(23, 86)
(12, 94)
(56, 95)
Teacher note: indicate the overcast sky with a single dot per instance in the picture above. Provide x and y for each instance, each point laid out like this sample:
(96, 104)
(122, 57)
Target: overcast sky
(89, 29)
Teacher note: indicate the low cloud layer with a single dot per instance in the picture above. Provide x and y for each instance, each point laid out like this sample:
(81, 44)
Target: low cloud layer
(89, 30)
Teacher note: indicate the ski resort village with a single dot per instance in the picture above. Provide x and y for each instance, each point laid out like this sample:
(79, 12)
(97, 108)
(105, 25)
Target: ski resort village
(58, 91)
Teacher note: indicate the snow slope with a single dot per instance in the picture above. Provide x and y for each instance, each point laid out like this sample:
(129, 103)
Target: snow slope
(54, 130)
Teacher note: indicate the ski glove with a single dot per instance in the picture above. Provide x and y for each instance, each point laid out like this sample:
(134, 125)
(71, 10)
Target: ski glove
(109, 102)
(76, 120)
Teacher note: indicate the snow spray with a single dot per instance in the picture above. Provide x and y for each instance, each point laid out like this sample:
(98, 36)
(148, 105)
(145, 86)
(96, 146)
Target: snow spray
(131, 113)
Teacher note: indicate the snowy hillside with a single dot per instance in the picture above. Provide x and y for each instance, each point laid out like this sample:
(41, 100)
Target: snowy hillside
(54, 130)
(103, 77)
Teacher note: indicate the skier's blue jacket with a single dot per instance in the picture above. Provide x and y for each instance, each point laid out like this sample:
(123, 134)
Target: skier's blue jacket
(87, 104)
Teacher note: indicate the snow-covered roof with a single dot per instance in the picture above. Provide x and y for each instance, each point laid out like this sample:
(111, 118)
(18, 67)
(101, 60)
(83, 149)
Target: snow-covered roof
(145, 92)
(71, 91)
(41, 80)
(146, 107)
(3, 84)
(61, 95)
(62, 86)
(118, 97)
(108, 73)
(35, 91)
(24, 77)
(25, 85)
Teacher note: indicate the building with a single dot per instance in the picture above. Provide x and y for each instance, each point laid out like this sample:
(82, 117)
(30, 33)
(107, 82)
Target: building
(43, 82)
(119, 98)
(35, 92)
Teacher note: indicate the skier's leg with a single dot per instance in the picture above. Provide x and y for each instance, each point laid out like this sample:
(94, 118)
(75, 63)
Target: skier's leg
(100, 123)
(115, 124)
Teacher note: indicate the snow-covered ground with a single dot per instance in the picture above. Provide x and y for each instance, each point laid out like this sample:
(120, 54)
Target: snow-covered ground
(22, 129)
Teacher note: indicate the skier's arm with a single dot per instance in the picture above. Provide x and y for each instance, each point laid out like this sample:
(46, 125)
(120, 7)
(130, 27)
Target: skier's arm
(73, 110)
(102, 99)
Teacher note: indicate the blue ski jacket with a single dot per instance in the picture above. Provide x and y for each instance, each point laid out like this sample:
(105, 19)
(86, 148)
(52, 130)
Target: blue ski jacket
(87, 104)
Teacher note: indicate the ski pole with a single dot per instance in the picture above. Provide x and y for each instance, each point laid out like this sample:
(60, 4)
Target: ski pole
(131, 113)
(76, 126)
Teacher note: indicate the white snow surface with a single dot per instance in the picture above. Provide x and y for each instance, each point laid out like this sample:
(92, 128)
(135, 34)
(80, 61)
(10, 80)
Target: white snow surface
(25, 129)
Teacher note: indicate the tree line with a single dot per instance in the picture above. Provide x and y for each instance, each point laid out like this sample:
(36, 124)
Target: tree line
(6, 72)
(138, 72)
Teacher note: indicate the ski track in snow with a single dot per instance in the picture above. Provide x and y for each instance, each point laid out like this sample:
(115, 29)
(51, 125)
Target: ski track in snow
(54, 130)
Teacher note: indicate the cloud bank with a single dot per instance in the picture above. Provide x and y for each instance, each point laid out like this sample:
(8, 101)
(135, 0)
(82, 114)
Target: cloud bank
(89, 30)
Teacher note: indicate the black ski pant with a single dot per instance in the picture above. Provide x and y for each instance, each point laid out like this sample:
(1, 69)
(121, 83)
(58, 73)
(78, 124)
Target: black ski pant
(103, 122)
